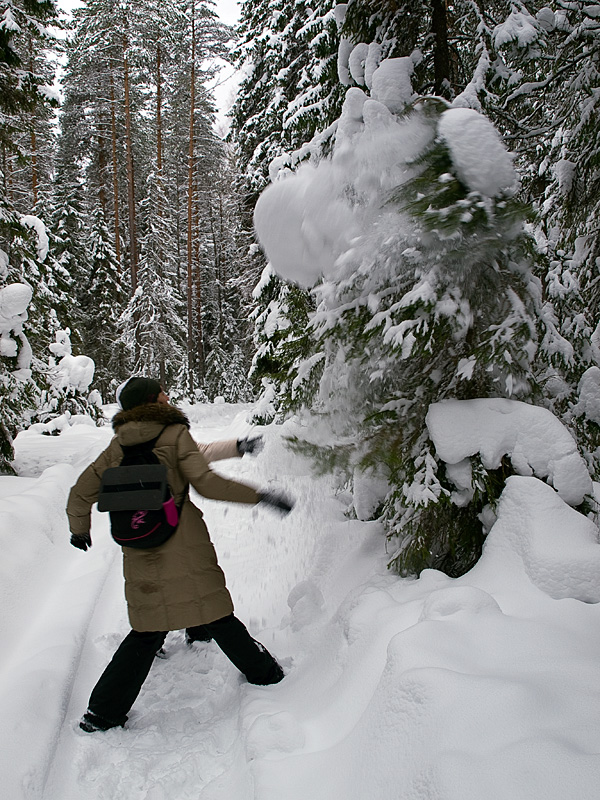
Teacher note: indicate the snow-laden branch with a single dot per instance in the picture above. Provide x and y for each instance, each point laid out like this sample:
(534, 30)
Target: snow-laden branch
(534, 439)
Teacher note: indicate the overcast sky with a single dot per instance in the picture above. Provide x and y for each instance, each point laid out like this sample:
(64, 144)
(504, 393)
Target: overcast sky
(228, 10)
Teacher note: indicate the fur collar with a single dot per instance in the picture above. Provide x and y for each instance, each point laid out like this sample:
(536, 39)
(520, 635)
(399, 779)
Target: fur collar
(151, 412)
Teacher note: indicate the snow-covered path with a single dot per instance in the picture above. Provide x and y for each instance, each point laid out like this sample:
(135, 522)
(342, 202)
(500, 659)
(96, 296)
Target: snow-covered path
(429, 689)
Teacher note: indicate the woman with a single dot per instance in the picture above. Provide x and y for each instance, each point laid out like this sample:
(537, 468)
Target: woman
(178, 584)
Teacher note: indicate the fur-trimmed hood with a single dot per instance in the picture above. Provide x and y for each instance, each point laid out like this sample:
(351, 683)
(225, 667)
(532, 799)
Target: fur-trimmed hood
(145, 422)
(161, 413)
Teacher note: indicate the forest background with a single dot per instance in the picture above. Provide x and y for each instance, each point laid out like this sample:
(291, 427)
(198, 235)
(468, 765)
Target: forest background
(127, 236)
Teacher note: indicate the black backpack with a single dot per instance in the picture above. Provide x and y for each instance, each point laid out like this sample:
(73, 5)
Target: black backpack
(137, 496)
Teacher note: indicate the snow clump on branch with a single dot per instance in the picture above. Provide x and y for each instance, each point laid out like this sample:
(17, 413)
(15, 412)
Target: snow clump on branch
(36, 224)
(534, 439)
(73, 373)
(307, 220)
(14, 300)
(480, 158)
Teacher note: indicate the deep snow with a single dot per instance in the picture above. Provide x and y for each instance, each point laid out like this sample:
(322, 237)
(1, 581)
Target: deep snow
(482, 688)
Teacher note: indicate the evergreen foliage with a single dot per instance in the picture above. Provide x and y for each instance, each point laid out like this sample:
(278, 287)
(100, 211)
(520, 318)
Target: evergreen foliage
(131, 160)
(443, 296)
(152, 324)
(25, 71)
(288, 52)
(458, 315)
(544, 100)
(284, 341)
(101, 308)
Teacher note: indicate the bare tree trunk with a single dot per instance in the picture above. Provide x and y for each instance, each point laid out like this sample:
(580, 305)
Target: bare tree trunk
(158, 113)
(159, 210)
(115, 171)
(130, 176)
(199, 328)
(441, 56)
(216, 232)
(190, 215)
(178, 220)
(34, 174)
(220, 268)
(102, 167)
(199, 332)
(5, 175)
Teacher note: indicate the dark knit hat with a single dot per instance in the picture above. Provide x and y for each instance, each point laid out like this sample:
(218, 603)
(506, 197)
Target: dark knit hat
(137, 391)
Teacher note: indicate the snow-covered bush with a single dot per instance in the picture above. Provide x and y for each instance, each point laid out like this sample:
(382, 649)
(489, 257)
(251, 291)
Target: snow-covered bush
(68, 385)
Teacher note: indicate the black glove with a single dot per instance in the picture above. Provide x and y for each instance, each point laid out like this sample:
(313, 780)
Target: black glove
(250, 445)
(81, 540)
(277, 501)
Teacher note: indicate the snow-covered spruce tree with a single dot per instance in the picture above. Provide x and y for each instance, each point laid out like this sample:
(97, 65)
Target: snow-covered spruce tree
(428, 293)
(26, 96)
(473, 324)
(570, 206)
(68, 223)
(257, 112)
(225, 263)
(447, 47)
(541, 93)
(288, 53)
(19, 394)
(455, 42)
(152, 324)
(283, 342)
(25, 44)
(104, 301)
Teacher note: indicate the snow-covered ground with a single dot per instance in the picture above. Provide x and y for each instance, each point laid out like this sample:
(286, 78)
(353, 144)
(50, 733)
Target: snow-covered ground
(481, 688)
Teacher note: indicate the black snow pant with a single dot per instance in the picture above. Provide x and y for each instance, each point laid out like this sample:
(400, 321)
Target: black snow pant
(122, 680)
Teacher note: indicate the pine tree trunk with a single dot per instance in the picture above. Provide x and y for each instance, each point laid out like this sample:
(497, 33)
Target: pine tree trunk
(158, 115)
(102, 169)
(159, 210)
(115, 171)
(216, 231)
(220, 268)
(441, 56)
(130, 175)
(190, 216)
(5, 175)
(34, 173)
(199, 329)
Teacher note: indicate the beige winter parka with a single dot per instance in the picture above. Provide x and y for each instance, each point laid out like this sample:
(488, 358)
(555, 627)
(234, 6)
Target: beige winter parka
(180, 583)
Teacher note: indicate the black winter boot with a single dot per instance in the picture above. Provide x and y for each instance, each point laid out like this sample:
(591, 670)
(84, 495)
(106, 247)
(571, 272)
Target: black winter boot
(274, 675)
(197, 633)
(91, 723)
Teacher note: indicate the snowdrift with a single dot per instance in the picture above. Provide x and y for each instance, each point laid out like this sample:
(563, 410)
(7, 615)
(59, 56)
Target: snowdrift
(486, 686)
